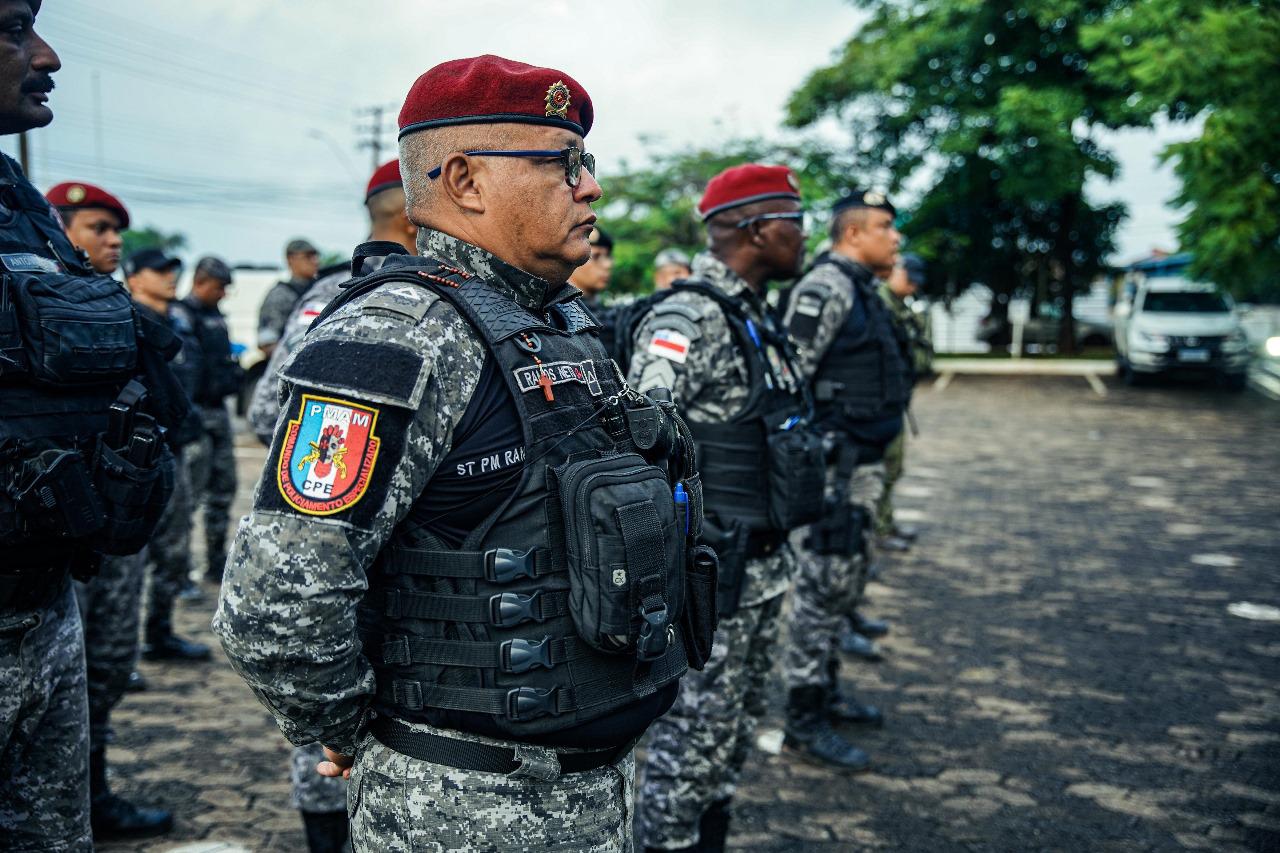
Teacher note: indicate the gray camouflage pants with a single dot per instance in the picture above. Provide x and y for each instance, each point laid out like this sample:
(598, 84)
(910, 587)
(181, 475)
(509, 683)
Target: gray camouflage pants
(309, 791)
(696, 751)
(44, 735)
(169, 551)
(828, 588)
(109, 609)
(211, 465)
(398, 803)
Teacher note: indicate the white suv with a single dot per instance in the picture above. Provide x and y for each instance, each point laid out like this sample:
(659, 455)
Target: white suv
(1173, 325)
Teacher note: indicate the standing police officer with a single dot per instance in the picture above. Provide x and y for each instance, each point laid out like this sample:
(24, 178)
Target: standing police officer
(711, 340)
(303, 261)
(83, 467)
(466, 558)
(93, 219)
(210, 460)
(846, 345)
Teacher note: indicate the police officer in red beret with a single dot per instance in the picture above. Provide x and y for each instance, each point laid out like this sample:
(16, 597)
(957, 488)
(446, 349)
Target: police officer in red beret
(468, 568)
(93, 219)
(711, 340)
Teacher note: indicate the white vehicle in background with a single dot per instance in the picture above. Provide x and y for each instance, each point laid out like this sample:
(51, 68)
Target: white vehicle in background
(1171, 325)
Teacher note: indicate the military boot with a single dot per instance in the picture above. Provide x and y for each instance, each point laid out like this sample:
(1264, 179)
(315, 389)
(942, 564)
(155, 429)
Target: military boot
(870, 628)
(809, 734)
(846, 709)
(162, 644)
(112, 816)
(853, 643)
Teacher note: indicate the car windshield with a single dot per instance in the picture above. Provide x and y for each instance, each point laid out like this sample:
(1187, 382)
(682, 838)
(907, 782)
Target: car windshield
(1184, 302)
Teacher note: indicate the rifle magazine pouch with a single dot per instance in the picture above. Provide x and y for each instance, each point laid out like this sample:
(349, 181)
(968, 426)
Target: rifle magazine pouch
(797, 476)
(132, 498)
(730, 546)
(700, 614)
(624, 552)
(693, 489)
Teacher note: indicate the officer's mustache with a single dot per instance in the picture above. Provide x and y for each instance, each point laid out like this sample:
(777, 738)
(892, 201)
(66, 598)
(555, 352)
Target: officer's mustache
(39, 83)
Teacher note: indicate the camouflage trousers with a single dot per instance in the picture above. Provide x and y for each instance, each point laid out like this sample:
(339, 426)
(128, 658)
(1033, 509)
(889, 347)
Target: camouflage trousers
(44, 736)
(109, 609)
(398, 803)
(696, 751)
(894, 457)
(211, 466)
(309, 791)
(169, 551)
(828, 588)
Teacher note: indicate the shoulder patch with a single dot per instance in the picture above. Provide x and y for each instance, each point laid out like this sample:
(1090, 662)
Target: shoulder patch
(669, 344)
(327, 455)
(406, 300)
(806, 312)
(376, 371)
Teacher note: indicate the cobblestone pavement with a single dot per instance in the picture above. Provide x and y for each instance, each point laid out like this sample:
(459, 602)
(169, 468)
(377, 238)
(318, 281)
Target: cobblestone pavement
(1063, 671)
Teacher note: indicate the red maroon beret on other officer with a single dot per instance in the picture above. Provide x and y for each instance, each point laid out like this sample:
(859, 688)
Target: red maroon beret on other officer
(489, 89)
(386, 177)
(747, 184)
(74, 195)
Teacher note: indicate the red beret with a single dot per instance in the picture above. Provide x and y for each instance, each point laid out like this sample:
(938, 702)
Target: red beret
(384, 178)
(746, 184)
(78, 194)
(489, 89)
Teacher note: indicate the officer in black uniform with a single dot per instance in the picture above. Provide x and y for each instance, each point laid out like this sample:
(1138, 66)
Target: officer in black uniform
(210, 460)
(85, 396)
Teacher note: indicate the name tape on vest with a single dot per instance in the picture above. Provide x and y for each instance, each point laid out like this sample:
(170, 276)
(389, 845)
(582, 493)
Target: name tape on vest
(583, 372)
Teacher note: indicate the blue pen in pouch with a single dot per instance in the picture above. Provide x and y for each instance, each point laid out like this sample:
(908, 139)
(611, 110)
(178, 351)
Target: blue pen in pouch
(682, 505)
(753, 332)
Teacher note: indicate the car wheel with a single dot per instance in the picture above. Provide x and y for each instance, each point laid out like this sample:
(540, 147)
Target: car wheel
(1131, 377)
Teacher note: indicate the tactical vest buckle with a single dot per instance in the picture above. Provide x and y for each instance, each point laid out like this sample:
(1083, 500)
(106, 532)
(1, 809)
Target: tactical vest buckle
(653, 640)
(529, 703)
(395, 651)
(523, 655)
(503, 565)
(511, 608)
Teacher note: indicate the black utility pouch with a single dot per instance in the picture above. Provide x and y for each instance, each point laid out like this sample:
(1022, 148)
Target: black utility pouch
(133, 497)
(700, 614)
(625, 553)
(797, 476)
(840, 531)
(730, 545)
(76, 330)
(693, 492)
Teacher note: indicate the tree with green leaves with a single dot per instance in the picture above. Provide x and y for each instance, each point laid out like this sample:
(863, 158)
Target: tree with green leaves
(991, 110)
(1217, 61)
(151, 237)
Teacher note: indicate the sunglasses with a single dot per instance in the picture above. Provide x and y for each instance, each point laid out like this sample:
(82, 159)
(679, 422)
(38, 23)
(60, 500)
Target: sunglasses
(797, 217)
(572, 159)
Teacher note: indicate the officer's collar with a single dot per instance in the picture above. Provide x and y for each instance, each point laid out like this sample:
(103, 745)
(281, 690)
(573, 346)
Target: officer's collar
(527, 290)
(858, 271)
(715, 272)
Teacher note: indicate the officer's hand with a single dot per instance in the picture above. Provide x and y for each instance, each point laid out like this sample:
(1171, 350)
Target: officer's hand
(335, 765)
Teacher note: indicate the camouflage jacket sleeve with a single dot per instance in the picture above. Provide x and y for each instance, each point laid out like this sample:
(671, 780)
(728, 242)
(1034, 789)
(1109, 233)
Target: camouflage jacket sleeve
(373, 396)
(274, 313)
(684, 344)
(817, 309)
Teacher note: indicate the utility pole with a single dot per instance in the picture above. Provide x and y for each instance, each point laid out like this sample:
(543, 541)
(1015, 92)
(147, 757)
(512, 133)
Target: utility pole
(371, 134)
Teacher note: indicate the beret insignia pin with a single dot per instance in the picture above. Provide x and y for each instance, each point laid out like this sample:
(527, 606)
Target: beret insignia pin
(558, 100)
(873, 198)
(75, 194)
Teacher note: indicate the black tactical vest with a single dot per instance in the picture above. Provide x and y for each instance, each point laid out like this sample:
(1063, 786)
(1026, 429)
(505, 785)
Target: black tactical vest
(83, 462)
(568, 602)
(862, 376)
(764, 466)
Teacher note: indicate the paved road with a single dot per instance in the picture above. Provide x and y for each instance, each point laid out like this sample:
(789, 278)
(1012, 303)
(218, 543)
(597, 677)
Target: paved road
(1063, 672)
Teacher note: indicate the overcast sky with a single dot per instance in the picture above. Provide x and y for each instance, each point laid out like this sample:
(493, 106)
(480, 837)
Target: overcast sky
(235, 121)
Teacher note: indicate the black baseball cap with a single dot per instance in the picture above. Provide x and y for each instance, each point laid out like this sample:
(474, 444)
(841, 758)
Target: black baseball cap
(214, 268)
(916, 269)
(150, 259)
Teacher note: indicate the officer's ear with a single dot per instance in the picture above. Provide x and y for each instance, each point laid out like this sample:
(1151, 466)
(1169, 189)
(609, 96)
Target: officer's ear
(458, 181)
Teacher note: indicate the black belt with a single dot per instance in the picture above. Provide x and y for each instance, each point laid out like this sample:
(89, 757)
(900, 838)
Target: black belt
(470, 755)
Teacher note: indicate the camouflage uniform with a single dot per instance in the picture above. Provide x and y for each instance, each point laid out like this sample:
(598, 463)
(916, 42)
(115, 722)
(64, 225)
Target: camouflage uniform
(44, 760)
(109, 610)
(168, 554)
(828, 587)
(697, 750)
(913, 329)
(287, 615)
(276, 308)
(211, 468)
(309, 791)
